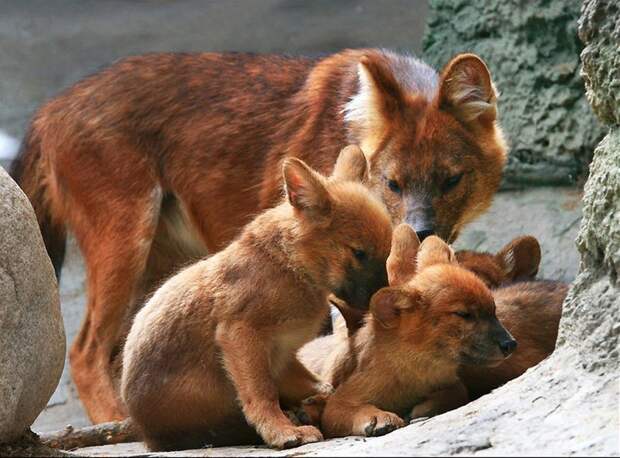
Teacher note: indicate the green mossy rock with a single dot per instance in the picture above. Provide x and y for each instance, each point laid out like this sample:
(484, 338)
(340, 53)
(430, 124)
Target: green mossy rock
(532, 50)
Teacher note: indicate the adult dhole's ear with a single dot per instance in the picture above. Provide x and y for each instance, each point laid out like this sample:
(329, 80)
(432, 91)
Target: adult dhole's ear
(520, 258)
(305, 190)
(388, 304)
(432, 251)
(401, 264)
(467, 92)
(378, 104)
(351, 165)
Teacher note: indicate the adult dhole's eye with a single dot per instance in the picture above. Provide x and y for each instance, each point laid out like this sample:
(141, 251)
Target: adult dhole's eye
(394, 186)
(452, 182)
(360, 255)
(464, 315)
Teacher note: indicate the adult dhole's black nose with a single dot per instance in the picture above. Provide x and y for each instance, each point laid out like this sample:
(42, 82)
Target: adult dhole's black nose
(423, 234)
(508, 346)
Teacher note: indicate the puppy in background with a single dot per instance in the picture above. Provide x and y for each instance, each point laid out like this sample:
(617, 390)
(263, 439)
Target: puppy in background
(529, 308)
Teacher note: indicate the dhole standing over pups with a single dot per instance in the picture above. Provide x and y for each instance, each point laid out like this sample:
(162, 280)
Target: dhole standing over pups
(161, 158)
(212, 355)
(404, 360)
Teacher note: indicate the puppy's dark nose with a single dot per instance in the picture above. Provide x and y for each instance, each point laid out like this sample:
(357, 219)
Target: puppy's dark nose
(508, 346)
(425, 233)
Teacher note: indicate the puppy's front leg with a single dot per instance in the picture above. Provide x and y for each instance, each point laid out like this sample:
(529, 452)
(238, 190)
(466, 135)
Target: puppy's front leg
(302, 391)
(347, 412)
(245, 354)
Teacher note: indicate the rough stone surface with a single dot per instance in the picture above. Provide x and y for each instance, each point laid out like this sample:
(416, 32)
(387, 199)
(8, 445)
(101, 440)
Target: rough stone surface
(532, 50)
(601, 59)
(32, 338)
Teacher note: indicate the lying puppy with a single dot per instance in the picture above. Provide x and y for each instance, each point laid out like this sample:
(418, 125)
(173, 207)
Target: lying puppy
(530, 309)
(211, 356)
(404, 360)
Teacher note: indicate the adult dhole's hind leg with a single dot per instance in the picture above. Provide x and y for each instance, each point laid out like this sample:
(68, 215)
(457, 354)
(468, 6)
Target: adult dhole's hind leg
(114, 229)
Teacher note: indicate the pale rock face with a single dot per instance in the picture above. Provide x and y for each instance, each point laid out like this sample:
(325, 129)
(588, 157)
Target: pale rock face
(32, 337)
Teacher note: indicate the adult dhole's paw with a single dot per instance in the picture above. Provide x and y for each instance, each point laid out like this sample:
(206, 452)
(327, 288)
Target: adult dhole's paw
(381, 423)
(293, 436)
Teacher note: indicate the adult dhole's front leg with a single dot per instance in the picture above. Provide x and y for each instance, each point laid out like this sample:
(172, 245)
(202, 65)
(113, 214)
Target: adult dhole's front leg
(115, 246)
(246, 356)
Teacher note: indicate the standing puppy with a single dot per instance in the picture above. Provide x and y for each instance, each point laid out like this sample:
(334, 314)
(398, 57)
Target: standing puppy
(404, 360)
(211, 356)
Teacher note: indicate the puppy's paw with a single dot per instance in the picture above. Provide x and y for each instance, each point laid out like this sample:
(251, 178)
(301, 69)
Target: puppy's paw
(382, 423)
(311, 409)
(293, 436)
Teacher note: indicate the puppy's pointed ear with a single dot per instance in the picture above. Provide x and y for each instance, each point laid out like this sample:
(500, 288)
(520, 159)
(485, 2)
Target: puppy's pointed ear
(432, 251)
(388, 304)
(520, 258)
(306, 191)
(401, 264)
(351, 165)
(467, 92)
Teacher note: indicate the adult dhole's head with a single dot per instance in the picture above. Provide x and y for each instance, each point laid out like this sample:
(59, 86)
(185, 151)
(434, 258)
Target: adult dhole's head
(435, 148)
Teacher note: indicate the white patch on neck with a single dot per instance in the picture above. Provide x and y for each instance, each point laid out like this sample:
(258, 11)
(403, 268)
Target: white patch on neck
(361, 109)
(362, 114)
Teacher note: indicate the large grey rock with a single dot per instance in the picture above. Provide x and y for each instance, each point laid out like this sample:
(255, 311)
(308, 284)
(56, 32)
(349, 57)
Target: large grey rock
(32, 337)
(532, 50)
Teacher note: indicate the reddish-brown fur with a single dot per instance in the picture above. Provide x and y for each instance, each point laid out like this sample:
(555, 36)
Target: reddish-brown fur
(161, 158)
(211, 357)
(404, 360)
(518, 260)
(529, 309)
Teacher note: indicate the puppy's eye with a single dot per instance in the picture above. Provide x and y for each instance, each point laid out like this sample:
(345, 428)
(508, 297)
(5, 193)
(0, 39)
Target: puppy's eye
(394, 186)
(360, 255)
(464, 315)
(452, 182)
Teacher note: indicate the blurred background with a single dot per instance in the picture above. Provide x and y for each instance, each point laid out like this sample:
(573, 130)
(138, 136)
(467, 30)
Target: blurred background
(531, 48)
